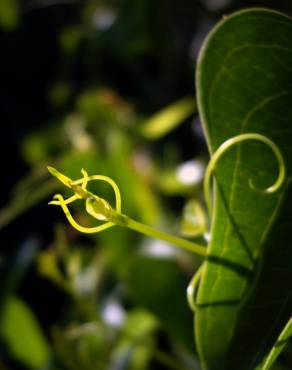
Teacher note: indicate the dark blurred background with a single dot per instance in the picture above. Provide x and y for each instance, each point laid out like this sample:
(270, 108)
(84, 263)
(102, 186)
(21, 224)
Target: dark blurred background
(81, 83)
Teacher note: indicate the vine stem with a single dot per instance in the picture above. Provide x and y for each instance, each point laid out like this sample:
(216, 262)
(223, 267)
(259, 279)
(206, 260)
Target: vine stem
(176, 241)
(100, 209)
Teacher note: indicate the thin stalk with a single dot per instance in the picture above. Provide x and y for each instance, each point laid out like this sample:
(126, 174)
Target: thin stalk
(176, 241)
(159, 355)
(166, 360)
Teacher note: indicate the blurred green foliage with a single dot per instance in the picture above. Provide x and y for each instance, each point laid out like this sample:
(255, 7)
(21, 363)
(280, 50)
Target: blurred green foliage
(9, 14)
(121, 105)
(24, 337)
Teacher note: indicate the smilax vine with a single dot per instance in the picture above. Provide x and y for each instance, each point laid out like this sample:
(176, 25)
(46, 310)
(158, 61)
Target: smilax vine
(101, 210)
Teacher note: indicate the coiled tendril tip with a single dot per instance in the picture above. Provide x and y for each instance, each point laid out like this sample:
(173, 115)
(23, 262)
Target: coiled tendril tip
(236, 140)
(97, 207)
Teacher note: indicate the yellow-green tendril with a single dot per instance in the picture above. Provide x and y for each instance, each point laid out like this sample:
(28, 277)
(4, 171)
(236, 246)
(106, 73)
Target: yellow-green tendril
(101, 210)
(192, 287)
(191, 290)
(76, 225)
(95, 206)
(236, 140)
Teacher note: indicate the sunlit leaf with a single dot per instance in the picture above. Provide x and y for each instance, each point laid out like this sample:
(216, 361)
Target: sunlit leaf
(244, 297)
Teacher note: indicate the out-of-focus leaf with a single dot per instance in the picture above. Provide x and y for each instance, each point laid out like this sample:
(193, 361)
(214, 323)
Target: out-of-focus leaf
(70, 39)
(36, 187)
(75, 130)
(49, 268)
(157, 285)
(59, 93)
(24, 258)
(85, 347)
(104, 106)
(278, 347)
(73, 161)
(63, 350)
(194, 220)
(40, 147)
(182, 179)
(130, 172)
(135, 348)
(25, 201)
(168, 118)
(32, 180)
(9, 14)
(35, 148)
(22, 333)
(169, 184)
(140, 323)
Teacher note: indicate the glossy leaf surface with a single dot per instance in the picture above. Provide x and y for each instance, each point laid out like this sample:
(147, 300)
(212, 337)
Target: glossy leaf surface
(244, 81)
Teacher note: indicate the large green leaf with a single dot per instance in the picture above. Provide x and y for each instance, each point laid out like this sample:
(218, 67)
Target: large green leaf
(244, 81)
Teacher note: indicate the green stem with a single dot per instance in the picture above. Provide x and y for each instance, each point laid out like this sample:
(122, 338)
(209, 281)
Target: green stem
(178, 242)
(100, 209)
(166, 360)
